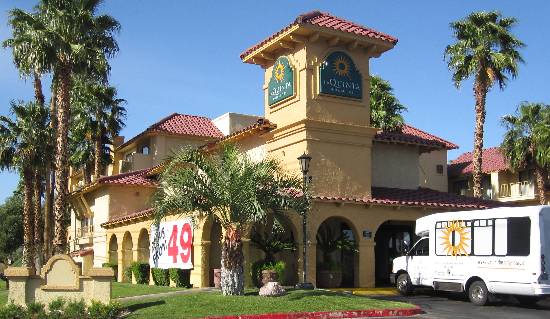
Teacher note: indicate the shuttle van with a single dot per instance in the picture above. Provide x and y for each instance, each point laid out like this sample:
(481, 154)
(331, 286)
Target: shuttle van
(500, 251)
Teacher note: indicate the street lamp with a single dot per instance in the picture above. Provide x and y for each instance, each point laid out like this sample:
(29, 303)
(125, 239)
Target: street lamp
(304, 167)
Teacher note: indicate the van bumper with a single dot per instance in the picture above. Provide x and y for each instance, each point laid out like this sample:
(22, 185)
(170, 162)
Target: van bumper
(542, 290)
(392, 278)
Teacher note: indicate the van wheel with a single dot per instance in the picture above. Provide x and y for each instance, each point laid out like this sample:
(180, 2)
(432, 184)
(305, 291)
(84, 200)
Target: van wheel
(478, 293)
(404, 284)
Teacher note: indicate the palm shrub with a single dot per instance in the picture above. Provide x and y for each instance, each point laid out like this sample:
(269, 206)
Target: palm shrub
(328, 243)
(385, 109)
(527, 141)
(230, 187)
(486, 50)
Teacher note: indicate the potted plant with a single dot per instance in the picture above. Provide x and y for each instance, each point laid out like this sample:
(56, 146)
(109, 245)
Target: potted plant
(329, 271)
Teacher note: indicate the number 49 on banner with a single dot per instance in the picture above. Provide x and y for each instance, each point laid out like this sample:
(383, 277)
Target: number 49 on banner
(185, 242)
(175, 245)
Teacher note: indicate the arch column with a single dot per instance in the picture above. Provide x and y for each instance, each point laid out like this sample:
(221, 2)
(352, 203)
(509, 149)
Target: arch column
(135, 253)
(365, 276)
(201, 263)
(120, 259)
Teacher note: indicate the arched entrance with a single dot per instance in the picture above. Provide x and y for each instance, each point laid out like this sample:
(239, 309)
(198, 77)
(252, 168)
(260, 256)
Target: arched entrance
(215, 250)
(127, 245)
(143, 246)
(336, 253)
(113, 250)
(389, 245)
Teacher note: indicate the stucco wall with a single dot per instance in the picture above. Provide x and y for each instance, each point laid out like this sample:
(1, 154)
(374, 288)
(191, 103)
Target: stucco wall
(428, 176)
(395, 165)
(128, 199)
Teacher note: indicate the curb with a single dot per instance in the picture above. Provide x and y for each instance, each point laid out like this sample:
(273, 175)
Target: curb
(397, 312)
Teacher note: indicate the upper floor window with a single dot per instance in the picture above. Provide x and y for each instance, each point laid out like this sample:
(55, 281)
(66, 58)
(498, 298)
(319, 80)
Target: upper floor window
(145, 150)
(439, 169)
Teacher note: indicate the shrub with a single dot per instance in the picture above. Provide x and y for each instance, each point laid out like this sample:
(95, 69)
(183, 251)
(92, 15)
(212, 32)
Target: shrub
(97, 310)
(181, 277)
(11, 311)
(36, 311)
(161, 277)
(261, 265)
(59, 309)
(114, 267)
(74, 309)
(140, 272)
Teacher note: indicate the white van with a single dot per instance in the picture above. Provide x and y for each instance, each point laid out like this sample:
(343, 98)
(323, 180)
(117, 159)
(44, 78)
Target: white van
(485, 252)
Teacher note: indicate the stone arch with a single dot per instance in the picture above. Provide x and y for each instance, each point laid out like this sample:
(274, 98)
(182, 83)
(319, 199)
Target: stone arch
(143, 246)
(338, 268)
(113, 249)
(389, 245)
(127, 246)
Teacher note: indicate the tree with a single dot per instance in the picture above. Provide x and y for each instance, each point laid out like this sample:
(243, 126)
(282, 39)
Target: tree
(81, 42)
(527, 141)
(229, 187)
(11, 226)
(486, 50)
(20, 141)
(98, 118)
(385, 107)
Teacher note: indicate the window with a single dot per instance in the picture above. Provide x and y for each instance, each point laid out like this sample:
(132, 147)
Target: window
(519, 236)
(453, 238)
(439, 169)
(483, 237)
(422, 248)
(145, 150)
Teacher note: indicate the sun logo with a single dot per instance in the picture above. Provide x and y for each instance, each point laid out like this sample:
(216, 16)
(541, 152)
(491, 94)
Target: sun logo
(455, 238)
(279, 72)
(341, 66)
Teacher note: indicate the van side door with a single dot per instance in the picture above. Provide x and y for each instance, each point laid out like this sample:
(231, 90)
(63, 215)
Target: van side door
(419, 265)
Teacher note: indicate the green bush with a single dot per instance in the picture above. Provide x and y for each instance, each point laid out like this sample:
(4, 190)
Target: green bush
(140, 272)
(181, 277)
(59, 309)
(261, 265)
(161, 277)
(114, 267)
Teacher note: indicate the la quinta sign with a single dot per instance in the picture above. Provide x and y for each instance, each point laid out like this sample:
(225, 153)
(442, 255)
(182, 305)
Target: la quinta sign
(281, 84)
(338, 76)
(174, 247)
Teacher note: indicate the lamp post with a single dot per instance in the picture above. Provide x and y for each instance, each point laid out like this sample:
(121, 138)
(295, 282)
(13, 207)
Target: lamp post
(304, 167)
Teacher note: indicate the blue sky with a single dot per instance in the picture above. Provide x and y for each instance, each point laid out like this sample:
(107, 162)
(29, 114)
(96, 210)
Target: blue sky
(183, 56)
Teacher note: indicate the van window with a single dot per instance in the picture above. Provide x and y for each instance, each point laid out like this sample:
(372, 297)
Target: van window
(519, 236)
(501, 237)
(483, 237)
(453, 238)
(422, 248)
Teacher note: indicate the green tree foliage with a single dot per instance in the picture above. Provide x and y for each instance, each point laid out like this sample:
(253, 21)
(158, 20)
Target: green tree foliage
(229, 186)
(527, 141)
(486, 50)
(11, 226)
(386, 110)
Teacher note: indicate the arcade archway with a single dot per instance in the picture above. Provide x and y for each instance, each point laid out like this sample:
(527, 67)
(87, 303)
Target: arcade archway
(389, 245)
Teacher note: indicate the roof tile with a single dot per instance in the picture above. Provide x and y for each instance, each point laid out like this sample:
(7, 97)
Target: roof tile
(492, 161)
(412, 135)
(140, 178)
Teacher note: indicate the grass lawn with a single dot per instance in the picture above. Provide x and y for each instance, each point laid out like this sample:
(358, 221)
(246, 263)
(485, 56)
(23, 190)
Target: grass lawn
(121, 289)
(203, 304)
(3, 293)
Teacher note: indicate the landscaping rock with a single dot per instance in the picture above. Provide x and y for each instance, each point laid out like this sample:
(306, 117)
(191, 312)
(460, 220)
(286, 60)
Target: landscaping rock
(272, 289)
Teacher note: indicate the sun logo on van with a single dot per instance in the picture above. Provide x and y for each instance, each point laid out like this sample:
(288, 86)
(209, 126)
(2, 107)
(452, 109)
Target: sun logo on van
(455, 238)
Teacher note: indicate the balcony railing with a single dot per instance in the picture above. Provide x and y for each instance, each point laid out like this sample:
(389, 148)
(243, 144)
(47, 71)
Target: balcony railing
(86, 231)
(486, 193)
(519, 189)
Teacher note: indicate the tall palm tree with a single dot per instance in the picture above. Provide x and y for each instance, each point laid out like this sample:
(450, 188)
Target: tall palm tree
(81, 42)
(486, 50)
(527, 141)
(386, 110)
(98, 117)
(229, 187)
(19, 139)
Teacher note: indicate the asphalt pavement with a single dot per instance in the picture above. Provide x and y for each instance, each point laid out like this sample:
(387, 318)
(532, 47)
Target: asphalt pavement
(457, 306)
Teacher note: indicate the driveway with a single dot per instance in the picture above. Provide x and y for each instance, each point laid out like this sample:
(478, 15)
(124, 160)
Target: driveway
(450, 305)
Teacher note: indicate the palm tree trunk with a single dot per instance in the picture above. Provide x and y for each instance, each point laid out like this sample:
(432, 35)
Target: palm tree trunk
(38, 221)
(61, 158)
(232, 277)
(28, 218)
(480, 91)
(47, 215)
(38, 94)
(541, 181)
(98, 148)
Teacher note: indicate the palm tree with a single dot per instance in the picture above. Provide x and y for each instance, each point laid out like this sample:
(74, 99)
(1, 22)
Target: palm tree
(385, 107)
(81, 42)
(229, 187)
(527, 141)
(98, 117)
(486, 50)
(18, 150)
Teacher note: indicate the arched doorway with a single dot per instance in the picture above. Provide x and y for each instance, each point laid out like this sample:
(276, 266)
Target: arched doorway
(113, 250)
(127, 246)
(336, 253)
(389, 245)
(143, 246)
(215, 250)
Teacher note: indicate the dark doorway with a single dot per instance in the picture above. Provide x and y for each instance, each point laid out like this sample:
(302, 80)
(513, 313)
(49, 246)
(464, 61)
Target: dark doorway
(389, 239)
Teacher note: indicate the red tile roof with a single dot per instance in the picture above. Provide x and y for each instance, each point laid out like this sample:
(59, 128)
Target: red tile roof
(421, 197)
(326, 20)
(492, 161)
(182, 124)
(412, 135)
(141, 178)
(261, 125)
(128, 217)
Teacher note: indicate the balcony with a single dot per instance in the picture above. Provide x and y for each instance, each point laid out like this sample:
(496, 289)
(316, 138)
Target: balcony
(486, 193)
(517, 191)
(135, 162)
(85, 235)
